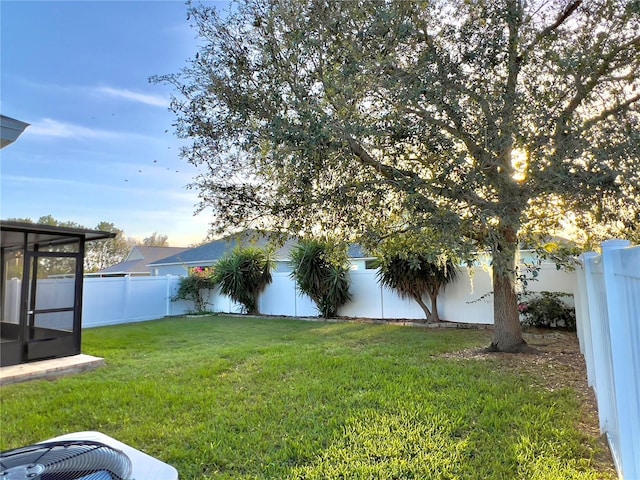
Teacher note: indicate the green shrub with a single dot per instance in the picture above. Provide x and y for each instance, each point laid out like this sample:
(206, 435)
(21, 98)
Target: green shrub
(243, 275)
(549, 311)
(320, 270)
(196, 287)
(418, 266)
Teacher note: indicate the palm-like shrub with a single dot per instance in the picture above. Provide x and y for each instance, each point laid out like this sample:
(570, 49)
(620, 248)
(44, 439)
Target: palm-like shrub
(243, 275)
(319, 269)
(415, 269)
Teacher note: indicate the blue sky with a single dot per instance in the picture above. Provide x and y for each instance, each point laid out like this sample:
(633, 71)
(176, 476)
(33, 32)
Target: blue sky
(100, 146)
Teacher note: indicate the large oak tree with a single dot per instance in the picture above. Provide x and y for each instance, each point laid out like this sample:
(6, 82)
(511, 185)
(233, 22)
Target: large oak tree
(489, 119)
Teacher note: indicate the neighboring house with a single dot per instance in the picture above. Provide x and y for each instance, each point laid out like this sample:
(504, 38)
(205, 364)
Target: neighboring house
(208, 254)
(137, 262)
(359, 259)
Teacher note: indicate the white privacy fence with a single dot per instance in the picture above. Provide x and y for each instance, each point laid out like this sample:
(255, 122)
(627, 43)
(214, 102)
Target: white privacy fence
(110, 301)
(608, 322)
(115, 300)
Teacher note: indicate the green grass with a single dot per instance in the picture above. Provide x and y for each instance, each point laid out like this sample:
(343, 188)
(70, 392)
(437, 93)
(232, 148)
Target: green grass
(243, 398)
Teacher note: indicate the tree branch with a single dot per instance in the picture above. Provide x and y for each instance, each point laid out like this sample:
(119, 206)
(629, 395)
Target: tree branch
(387, 171)
(584, 90)
(611, 111)
(395, 174)
(564, 15)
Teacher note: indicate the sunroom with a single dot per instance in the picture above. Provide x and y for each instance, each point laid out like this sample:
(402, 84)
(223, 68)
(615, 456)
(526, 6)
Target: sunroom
(41, 271)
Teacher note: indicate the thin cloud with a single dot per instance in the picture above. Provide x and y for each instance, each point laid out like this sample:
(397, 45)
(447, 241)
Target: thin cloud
(123, 93)
(154, 100)
(50, 128)
(47, 127)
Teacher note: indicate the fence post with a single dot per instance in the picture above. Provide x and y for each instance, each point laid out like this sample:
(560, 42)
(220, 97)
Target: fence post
(167, 310)
(127, 296)
(621, 356)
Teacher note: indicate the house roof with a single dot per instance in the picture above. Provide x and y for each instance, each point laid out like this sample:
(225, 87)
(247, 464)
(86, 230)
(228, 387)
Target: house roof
(10, 130)
(139, 258)
(213, 251)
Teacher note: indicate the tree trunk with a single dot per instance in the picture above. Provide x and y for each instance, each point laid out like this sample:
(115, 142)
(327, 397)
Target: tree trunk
(435, 316)
(508, 331)
(253, 309)
(423, 306)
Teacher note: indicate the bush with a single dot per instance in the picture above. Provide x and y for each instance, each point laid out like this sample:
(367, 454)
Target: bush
(194, 286)
(548, 311)
(418, 266)
(244, 274)
(321, 272)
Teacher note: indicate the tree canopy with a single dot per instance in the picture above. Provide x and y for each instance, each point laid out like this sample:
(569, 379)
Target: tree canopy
(156, 240)
(487, 120)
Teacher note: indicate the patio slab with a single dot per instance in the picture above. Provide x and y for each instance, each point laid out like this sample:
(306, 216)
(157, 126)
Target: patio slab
(53, 368)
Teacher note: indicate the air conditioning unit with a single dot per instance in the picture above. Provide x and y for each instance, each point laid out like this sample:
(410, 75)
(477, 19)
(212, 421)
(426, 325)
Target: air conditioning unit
(82, 456)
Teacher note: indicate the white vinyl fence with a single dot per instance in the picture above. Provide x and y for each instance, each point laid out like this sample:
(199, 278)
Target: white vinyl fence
(108, 301)
(608, 322)
(116, 300)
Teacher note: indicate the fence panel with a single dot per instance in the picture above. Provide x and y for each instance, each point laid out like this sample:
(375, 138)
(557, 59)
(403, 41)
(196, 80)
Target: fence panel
(111, 301)
(55, 293)
(550, 279)
(603, 385)
(305, 307)
(622, 276)
(179, 307)
(103, 302)
(583, 317)
(467, 300)
(153, 290)
(608, 314)
(272, 301)
(282, 297)
(11, 301)
(366, 296)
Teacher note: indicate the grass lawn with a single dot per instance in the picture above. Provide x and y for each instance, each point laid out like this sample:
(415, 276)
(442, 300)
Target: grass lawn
(244, 398)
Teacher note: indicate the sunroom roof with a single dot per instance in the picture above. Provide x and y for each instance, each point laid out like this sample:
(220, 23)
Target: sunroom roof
(12, 234)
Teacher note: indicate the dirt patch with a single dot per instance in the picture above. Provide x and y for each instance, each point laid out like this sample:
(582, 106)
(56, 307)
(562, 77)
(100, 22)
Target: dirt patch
(557, 363)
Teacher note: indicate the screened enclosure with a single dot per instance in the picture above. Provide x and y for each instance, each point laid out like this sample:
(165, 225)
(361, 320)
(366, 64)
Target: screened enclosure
(41, 290)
